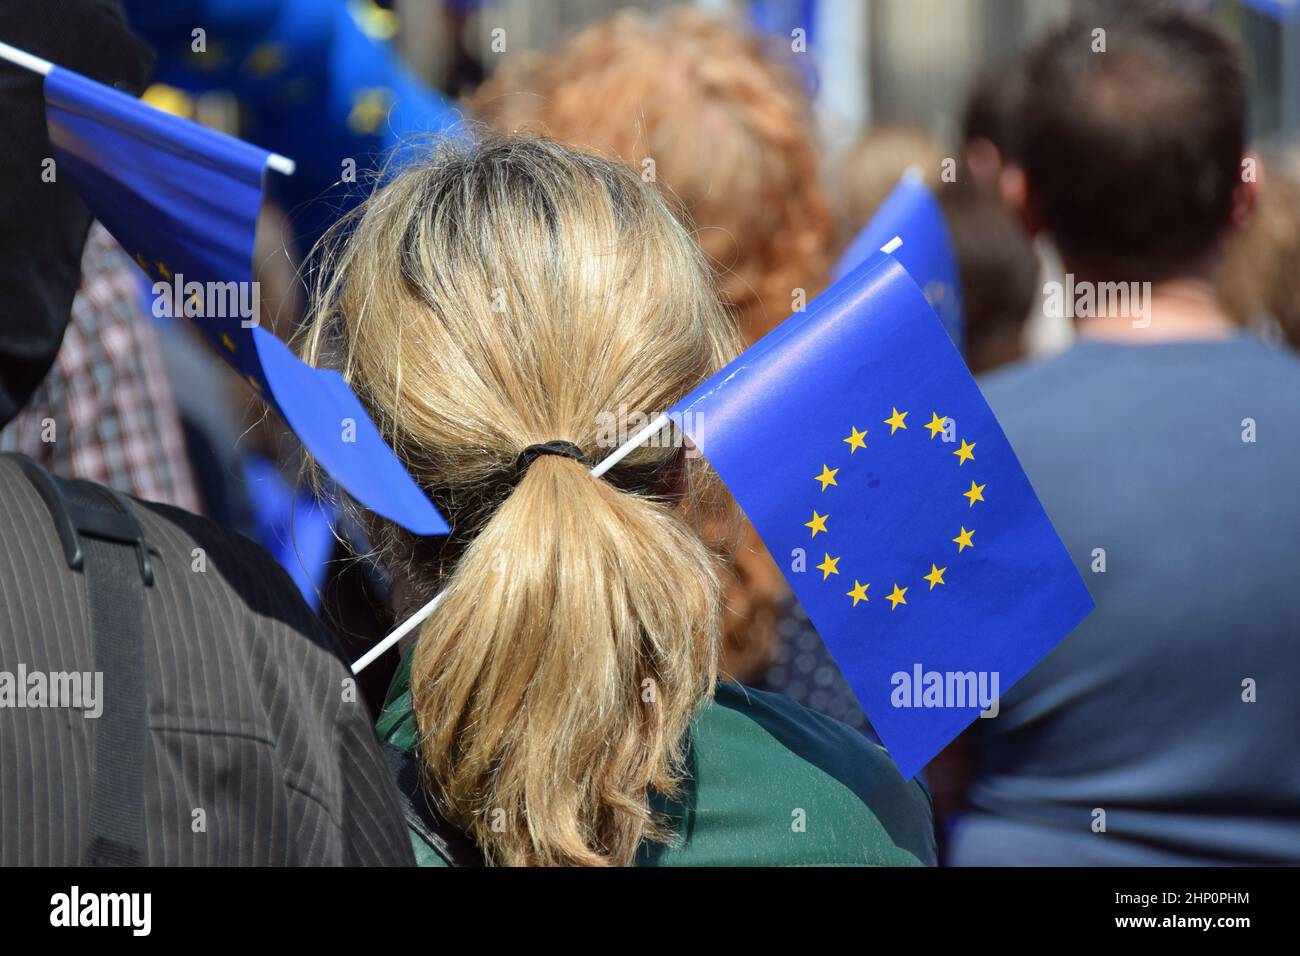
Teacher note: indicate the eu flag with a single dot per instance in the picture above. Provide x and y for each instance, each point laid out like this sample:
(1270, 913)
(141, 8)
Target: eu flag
(183, 200)
(864, 454)
(315, 79)
(912, 213)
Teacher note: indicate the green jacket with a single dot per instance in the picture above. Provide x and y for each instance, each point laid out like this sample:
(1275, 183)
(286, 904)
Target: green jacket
(770, 784)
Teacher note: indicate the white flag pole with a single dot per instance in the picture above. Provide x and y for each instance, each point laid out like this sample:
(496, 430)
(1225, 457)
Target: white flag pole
(407, 626)
(24, 59)
(636, 441)
(281, 164)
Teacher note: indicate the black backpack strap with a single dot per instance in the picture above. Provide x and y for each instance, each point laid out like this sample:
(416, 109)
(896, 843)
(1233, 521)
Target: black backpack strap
(99, 532)
(447, 840)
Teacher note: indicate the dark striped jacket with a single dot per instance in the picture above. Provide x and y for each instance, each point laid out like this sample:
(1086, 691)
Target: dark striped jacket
(258, 753)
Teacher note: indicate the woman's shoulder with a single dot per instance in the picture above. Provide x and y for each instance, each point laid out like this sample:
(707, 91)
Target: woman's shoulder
(770, 783)
(773, 783)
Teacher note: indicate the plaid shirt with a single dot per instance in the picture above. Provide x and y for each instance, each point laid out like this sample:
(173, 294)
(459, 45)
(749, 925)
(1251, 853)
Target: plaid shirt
(106, 410)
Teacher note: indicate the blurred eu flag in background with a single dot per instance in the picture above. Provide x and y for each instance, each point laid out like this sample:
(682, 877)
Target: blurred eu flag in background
(315, 79)
(183, 200)
(912, 213)
(864, 454)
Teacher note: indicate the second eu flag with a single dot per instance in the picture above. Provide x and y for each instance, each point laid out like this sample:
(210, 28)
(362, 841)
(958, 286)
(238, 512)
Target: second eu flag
(864, 454)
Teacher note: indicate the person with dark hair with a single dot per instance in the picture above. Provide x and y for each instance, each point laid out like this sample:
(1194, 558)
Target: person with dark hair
(999, 275)
(988, 122)
(1163, 730)
(1132, 142)
(1001, 268)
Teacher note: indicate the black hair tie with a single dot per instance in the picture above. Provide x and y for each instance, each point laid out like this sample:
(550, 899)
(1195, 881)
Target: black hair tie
(565, 449)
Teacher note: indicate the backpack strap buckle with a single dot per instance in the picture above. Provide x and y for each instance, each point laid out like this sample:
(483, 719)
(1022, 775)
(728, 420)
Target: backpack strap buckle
(83, 508)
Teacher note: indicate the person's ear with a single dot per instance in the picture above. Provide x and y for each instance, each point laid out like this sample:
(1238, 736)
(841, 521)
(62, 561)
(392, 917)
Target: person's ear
(1245, 195)
(1013, 188)
(984, 160)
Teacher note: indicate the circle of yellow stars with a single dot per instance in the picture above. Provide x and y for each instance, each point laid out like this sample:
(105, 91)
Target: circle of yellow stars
(857, 439)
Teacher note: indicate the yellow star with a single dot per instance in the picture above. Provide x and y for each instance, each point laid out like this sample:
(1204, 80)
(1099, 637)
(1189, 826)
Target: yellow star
(895, 421)
(139, 260)
(937, 424)
(169, 100)
(828, 567)
(963, 540)
(896, 598)
(370, 107)
(163, 270)
(257, 386)
(227, 341)
(818, 523)
(859, 592)
(966, 452)
(265, 59)
(857, 439)
(827, 477)
(975, 494)
(935, 576)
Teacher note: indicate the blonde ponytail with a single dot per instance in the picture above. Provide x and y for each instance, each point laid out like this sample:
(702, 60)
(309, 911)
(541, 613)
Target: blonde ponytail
(498, 296)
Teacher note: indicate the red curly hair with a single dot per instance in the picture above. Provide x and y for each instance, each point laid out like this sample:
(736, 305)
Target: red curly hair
(703, 106)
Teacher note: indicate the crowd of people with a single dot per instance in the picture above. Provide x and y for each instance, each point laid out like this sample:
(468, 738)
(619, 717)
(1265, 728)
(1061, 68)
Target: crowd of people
(617, 672)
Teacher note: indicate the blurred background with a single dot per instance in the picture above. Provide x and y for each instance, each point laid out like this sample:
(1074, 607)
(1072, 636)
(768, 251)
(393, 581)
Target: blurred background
(885, 61)
(781, 125)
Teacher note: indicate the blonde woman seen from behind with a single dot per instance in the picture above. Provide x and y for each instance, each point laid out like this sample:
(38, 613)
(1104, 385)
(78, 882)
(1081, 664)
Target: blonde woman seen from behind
(488, 305)
(718, 118)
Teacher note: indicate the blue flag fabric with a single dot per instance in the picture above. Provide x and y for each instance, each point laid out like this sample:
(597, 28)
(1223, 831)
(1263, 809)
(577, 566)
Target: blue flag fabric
(1280, 10)
(777, 20)
(912, 213)
(183, 200)
(864, 454)
(314, 80)
(293, 526)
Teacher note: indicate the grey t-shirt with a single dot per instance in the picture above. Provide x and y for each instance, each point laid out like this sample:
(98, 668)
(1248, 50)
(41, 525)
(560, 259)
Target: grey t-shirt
(1175, 707)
